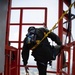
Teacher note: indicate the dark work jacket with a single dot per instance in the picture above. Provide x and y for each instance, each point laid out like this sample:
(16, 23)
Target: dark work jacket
(43, 51)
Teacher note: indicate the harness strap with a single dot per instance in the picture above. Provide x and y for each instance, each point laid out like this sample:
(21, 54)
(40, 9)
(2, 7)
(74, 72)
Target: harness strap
(53, 26)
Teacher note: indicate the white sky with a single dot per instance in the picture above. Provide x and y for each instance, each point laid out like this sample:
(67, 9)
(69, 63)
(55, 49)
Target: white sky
(52, 6)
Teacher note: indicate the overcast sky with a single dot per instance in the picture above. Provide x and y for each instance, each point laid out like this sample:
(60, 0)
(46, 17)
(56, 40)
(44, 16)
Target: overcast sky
(52, 6)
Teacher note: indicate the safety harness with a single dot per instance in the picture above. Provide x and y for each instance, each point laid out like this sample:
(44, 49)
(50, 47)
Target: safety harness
(54, 26)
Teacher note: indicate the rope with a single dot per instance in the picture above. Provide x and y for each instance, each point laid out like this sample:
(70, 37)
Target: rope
(53, 26)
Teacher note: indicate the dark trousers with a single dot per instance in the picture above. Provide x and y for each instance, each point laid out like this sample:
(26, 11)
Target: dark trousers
(42, 67)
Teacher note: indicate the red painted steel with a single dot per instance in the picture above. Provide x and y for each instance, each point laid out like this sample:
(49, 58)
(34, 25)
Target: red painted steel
(73, 66)
(62, 31)
(0, 73)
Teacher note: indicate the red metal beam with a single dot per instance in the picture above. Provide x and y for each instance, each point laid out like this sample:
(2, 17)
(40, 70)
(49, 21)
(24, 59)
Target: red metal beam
(67, 2)
(45, 19)
(66, 16)
(29, 8)
(67, 46)
(10, 48)
(27, 24)
(73, 66)
(60, 32)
